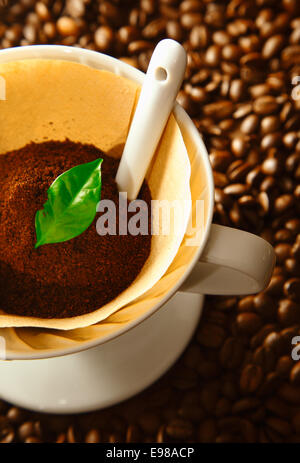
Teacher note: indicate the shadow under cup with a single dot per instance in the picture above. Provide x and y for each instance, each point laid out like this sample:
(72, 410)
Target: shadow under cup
(30, 343)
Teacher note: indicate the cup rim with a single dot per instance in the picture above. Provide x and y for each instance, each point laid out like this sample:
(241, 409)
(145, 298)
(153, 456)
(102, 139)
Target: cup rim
(123, 69)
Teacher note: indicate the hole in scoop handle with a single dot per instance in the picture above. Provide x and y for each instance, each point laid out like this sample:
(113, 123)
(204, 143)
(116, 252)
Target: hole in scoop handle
(161, 85)
(234, 262)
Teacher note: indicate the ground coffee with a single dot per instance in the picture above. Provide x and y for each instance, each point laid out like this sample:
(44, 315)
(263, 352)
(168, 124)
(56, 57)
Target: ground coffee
(62, 279)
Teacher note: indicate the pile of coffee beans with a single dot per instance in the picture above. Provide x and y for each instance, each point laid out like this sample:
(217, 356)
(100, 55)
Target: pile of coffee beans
(237, 381)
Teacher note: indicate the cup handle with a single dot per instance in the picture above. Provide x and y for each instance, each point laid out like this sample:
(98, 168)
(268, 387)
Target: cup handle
(233, 262)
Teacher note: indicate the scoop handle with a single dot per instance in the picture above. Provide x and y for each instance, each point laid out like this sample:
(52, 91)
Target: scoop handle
(161, 85)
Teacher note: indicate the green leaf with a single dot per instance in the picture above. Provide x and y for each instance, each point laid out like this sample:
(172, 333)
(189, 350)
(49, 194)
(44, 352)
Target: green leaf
(71, 205)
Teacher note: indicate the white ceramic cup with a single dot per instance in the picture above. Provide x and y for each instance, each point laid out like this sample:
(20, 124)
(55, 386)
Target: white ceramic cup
(228, 261)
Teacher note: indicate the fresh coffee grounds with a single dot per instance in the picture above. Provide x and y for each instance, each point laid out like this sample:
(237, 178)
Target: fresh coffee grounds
(62, 279)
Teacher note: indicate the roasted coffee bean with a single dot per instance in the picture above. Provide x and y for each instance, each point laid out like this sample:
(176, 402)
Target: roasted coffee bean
(283, 252)
(207, 431)
(288, 312)
(249, 124)
(236, 189)
(26, 430)
(103, 38)
(231, 354)
(211, 335)
(67, 26)
(244, 405)
(264, 306)
(295, 374)
(250, 379)
(15, 415)
(154, 29)
(179, 429)
(292, 289)
(92, 437)
(275, 287)
(248, 322)
(265, 105)
(272, 46)
(261, 335)
(283, 203)
(292, 266)
(284, 365)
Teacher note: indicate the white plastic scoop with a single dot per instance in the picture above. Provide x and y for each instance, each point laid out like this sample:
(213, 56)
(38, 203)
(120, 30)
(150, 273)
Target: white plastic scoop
(161, 84)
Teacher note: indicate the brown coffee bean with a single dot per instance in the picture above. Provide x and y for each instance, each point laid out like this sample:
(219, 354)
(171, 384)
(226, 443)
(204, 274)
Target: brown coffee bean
(259, 90)
(271, 140)
(284, 365)
(292, 266)
(295, 252)
(26, 429)
(92, 437)
(207, 431)
(190, 5)
(231, 52)
(245, 405)
(42, 11)
(231, 354)
(15, 415)
(211, 335)
(293, 225)
(197, 94)
(284, 235)
(154, 29)
(199, 36)
(221, 38)
(247, 201)
(289, 393)
(260, 336)
(272, 46)
(292, 289)
(67, 26)
(223, 407)
(133, 434)
(295, 374)
(220, 180)
(268, 184)
(219, 110)
(250, 378)
(264, 306)
(283, 203)
(127, 34)
(179, 429)
(213, 55)
(103, 38)
(189, 20)
(248, 322)
(288, 312)
(275, 287)
(220, 159)
(209, 396)
(249, 124)
(279, 425)
(270, 166)
(254, 176)
(236, 189)
(138, 46)
(239, 146)
(283, 251)
(237, 90)
(265, 105)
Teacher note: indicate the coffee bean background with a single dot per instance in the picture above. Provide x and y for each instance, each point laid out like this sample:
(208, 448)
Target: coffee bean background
(237, 381)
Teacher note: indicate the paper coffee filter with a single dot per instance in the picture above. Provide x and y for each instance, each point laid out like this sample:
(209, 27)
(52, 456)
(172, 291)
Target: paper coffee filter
(52, 100)
(33, 341)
